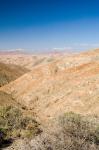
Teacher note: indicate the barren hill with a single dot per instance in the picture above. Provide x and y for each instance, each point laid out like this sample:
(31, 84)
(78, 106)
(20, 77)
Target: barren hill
(69, 83)
(28, 61)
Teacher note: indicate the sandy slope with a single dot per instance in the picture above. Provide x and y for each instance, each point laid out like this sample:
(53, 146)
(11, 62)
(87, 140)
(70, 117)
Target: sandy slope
(68, 83)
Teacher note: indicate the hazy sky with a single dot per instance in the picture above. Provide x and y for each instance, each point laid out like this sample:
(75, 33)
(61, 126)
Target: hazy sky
(49, 24)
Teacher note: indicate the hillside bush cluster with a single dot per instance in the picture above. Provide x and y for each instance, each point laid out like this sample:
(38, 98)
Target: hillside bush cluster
(76, 132)
(13, 124)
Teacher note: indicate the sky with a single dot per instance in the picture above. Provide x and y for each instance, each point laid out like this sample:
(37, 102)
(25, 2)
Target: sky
(43, 25)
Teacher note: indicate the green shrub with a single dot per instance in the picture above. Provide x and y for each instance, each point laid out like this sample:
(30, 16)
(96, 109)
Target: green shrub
(14, 124)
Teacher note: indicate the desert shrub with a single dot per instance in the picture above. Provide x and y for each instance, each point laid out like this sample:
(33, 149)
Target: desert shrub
(75, 132)
(14, 124)
(80, 132)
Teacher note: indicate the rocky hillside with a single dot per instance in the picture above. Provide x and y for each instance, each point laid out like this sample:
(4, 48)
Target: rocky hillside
(69, 83)
(60, 93)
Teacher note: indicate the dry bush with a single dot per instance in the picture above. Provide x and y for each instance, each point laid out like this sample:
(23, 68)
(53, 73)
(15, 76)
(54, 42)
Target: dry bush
(80, 132)
(76, 133)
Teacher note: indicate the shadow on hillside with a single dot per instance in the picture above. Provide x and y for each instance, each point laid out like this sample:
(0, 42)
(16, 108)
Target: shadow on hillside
(6, 143)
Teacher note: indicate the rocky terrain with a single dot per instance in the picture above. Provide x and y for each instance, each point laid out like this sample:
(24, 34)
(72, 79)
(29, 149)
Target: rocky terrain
(53, 84)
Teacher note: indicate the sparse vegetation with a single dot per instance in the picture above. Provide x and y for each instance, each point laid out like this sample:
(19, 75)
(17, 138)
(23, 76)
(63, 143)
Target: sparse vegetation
(13, 124)
(76, 133)
(80, 132)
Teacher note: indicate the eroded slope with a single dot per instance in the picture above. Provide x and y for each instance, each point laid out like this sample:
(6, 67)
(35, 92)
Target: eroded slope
(70, 83)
